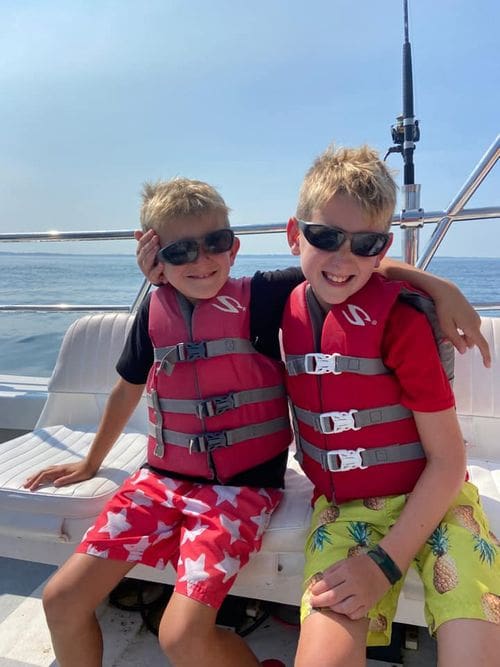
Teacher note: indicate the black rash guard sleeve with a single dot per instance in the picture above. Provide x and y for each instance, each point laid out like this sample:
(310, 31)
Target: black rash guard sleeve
(137, 355)
(269, 293)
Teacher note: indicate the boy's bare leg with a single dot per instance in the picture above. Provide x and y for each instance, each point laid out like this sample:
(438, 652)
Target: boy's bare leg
(189, 637)
(70, 600)
(331, 640)
(466, 642)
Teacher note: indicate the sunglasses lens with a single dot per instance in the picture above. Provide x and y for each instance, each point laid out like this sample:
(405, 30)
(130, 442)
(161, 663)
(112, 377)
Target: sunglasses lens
(179, 252)
(323, 237)
(368, 244)
(219, 241)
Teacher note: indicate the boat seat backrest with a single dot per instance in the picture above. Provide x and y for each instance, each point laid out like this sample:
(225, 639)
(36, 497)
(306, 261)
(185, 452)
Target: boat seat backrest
(85, 373)
(477, 392)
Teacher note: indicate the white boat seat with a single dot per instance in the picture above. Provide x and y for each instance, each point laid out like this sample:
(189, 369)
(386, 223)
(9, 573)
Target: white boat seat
(45, 526)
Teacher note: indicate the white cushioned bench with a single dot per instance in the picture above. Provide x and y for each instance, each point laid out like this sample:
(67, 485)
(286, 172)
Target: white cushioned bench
(45, 526)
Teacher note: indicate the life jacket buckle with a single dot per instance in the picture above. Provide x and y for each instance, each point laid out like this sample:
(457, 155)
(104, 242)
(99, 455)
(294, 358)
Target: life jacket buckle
(350, 459)
(192, 351)
(215, 406)
(316, 363)
(337, 422)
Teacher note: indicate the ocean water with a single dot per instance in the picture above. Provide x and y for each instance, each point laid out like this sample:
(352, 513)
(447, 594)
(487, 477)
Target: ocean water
(29, 341)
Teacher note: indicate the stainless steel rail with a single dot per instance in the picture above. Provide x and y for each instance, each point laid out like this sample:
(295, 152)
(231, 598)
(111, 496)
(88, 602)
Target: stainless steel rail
(444, 219)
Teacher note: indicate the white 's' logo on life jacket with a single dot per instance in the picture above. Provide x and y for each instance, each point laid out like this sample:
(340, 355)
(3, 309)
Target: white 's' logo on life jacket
(357, 316)
(228, 304)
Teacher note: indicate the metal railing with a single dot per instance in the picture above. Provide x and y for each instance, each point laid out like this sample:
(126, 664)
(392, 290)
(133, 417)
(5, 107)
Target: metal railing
(454, 212)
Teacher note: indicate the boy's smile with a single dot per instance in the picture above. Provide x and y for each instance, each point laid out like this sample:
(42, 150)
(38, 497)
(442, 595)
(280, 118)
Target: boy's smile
(205, 276)
(335, 275)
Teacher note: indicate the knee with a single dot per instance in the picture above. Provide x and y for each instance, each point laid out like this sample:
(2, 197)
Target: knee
(60, 603)
(179, 639)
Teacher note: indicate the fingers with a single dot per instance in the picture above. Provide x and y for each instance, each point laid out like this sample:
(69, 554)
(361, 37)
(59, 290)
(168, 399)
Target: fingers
(477, 338)
(40, 478)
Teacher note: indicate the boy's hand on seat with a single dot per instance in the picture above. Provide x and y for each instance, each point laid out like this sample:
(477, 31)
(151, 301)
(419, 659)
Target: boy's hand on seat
(148, 244)
(350, 587)
(460, 323)
(60, 475)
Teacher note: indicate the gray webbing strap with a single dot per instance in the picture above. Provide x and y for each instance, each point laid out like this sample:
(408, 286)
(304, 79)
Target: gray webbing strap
(209, 441)
(339, 460)
(318, 364)
(191, 351)
(337, 422)
(217, 405)
(159, 449)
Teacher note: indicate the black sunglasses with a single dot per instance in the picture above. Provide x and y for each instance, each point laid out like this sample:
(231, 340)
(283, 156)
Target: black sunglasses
(324, 237)
(185, 251)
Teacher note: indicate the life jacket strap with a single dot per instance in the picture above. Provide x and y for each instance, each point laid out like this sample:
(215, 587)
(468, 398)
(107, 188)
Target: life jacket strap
(191, 351)
(340, 460)
(317, 363)
(217, 405)
(206, 442)
(337, 422)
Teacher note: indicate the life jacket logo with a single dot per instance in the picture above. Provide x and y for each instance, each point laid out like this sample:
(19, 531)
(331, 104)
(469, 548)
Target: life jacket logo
(357, 316)
(228, 304)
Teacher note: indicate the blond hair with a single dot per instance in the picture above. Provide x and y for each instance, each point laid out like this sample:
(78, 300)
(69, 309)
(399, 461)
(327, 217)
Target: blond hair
(356, 172)
(165, 201)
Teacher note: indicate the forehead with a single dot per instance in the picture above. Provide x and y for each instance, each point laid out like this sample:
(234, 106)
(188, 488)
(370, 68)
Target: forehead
(345, 212)
(190, 226)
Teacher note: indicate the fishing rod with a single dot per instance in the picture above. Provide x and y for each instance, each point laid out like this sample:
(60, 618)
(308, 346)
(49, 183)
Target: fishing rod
(405, 133)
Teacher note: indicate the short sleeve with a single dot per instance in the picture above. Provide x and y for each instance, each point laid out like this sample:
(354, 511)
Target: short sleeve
(410, 350)
(137, 355)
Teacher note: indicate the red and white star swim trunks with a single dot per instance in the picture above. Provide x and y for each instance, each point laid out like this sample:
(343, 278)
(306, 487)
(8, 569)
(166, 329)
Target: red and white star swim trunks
(207, 532)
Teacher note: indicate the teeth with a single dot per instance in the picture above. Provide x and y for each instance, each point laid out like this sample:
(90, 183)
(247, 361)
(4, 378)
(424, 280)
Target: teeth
(337, 279)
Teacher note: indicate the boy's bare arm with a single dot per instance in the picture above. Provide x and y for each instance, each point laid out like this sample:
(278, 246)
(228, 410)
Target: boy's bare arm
(354, 585)
(458, 319)
(122, 401)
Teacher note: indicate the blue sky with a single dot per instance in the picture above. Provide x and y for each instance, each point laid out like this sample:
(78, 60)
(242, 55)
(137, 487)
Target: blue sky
(99, 96)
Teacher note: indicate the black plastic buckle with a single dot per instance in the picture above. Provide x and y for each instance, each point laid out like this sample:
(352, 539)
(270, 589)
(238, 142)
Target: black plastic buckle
(215, 440)
(215, 406)
(192, 351)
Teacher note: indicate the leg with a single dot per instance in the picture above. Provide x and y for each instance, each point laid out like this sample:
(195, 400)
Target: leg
(70, 599)
(331, 640)
(189, 637)
(466, 642)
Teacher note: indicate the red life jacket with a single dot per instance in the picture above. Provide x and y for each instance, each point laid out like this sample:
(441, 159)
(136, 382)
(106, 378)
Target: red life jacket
(217, 407)
(344, 398)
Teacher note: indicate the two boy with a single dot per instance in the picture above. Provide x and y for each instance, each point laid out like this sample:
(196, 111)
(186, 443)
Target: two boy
(213, 478)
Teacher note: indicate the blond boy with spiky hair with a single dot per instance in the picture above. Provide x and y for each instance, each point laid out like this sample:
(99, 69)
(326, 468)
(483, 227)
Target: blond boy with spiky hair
(377, 433)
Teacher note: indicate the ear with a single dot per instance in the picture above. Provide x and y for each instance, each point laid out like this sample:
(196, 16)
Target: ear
(384, 251)
(293, 235)
(234, 250)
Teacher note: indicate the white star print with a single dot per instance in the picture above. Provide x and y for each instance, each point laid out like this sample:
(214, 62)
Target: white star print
(195, 572)
(230, 566)
(228, 493)
(141, 476)
(263, 492)
(139, 499)
(170, 483)
(232, 527)
(93, 551)
(117, 523)
(262, 521)
(191, 535)
(194, 507)
(169, 499)
(136, 550)
(163, 531)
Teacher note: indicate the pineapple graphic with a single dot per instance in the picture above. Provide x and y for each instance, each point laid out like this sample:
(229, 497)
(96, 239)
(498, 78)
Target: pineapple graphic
(465, 517)
(486, 550)
(491, 606)
(374, 503)
(360, 533)
(494, 538)
(445, 572)
(378, 624)
(307, 593)
(328, 515)
(319, 538)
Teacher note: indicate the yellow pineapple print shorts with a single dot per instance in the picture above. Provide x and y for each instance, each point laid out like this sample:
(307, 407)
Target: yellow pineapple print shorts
(459, 565)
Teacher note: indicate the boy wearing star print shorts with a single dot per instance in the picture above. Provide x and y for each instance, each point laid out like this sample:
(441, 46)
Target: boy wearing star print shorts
(207, 523)
(215, 471)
